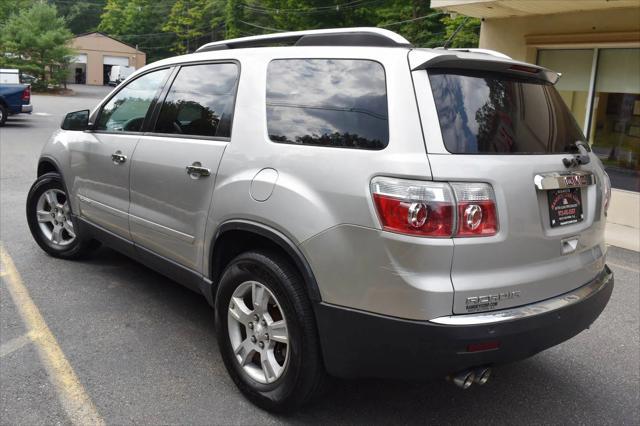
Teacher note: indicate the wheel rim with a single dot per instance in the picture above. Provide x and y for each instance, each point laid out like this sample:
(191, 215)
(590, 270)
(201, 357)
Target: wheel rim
(258, 332)
(54, 217)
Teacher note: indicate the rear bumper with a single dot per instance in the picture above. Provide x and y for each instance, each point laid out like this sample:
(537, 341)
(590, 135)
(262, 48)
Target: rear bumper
(361, 344)
(27, 108)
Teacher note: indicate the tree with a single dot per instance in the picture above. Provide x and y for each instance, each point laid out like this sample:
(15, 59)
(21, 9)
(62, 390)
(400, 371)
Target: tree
(160, 27)
(139, 22)
(11, 7)
(82, 16)
(467, 36)
(37, 40)
(414, 20)
(233, 16)
(194, 20)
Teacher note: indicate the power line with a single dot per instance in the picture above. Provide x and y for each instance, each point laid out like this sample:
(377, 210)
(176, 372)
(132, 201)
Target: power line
(261, 27)
(304, 10)
(412, 20)
(310, 11)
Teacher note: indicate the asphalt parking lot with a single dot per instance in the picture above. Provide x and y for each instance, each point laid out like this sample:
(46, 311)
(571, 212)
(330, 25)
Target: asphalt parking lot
(139, 348)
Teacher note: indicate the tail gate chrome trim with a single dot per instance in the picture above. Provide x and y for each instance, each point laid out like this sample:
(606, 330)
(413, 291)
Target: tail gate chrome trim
(563, 180)
(534, 309)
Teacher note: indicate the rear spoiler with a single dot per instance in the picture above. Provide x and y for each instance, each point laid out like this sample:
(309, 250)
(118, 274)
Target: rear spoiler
(478, 61)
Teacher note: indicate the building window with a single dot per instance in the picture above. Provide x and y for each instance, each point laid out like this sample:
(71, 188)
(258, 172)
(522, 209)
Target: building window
(615, 128)
(606, 83)
(575, 66)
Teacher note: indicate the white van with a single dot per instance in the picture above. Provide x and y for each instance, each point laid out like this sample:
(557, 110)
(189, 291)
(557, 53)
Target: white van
(119, 73)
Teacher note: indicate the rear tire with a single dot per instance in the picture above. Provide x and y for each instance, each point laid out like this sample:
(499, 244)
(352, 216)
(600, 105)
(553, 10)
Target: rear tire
(50, 220)
(261, 293)
(3, 115)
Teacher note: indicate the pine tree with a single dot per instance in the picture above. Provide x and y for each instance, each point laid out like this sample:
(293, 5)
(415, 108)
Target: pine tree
(36, 40)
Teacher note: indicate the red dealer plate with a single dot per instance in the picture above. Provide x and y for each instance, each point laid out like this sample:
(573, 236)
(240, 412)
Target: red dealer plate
(565, 206)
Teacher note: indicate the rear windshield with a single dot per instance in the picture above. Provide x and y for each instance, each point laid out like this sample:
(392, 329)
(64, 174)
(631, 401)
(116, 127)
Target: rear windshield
(488, 113)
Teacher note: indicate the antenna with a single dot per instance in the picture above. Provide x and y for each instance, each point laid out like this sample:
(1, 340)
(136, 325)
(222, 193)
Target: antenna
(455, 33)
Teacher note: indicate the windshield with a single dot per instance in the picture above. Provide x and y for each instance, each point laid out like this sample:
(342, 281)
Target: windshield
(489, 113)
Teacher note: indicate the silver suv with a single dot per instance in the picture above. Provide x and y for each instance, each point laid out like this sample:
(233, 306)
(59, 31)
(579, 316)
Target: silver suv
(350, 205)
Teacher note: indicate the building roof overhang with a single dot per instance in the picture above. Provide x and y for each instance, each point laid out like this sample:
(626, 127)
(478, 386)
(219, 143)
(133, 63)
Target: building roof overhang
(515, 8)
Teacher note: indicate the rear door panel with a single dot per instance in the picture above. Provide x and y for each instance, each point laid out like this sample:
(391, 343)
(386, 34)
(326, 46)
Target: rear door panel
(168, 206)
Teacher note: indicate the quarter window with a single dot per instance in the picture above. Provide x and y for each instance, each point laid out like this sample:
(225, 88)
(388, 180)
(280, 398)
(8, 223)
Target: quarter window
(327, 102)
(125, 112)
(200, 101)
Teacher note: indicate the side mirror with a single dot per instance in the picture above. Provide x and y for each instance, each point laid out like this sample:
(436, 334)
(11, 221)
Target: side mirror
(77, 120)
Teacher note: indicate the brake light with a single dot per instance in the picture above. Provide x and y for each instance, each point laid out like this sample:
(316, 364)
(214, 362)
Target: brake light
(431, 209)
(476, 209)
(414, 207)
(26, 94)
(523, 68)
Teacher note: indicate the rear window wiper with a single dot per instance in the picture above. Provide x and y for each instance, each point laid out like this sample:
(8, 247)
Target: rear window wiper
(582, 157)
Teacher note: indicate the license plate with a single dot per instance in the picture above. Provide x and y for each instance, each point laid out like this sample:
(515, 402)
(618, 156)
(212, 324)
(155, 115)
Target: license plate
(565, 206)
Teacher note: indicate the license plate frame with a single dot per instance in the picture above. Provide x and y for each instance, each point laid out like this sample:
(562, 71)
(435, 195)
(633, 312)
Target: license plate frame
(565, 206)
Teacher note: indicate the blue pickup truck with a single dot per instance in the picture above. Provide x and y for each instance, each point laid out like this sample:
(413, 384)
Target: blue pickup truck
(15, 98)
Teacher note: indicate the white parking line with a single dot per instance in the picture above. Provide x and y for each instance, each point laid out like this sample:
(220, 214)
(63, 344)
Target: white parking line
(42, 114)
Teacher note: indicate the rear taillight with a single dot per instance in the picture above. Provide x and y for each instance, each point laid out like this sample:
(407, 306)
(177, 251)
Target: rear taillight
(607, 193)
(476, 209)
(414, 207)
(431, 209)
(26, 94)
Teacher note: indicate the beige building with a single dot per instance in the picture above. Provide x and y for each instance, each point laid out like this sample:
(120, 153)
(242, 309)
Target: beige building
(96, 53)
(595, 44)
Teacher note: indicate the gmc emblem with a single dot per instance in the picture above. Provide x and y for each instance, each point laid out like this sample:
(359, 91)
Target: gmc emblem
(575, 180)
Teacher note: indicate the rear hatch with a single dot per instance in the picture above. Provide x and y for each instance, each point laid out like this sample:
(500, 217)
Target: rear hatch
(500, 122)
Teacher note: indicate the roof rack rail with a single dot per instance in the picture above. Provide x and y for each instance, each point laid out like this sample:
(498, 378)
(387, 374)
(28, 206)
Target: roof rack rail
(363, 36)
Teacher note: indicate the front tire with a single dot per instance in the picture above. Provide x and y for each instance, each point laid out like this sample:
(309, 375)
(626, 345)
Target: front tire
(50, 220)
(266, 331)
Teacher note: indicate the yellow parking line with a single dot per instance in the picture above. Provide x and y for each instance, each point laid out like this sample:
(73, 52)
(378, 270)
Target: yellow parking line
(71, 393)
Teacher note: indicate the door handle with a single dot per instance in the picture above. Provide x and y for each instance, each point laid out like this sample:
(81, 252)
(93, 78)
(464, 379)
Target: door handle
(118, 158)
(196, 171)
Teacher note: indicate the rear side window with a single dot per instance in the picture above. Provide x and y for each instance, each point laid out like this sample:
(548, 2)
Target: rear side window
(488, 113)
(200, 101)
(338, 103)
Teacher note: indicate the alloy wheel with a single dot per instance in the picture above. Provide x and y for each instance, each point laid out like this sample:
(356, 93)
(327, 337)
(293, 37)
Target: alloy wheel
(258, 332)
(54, 217)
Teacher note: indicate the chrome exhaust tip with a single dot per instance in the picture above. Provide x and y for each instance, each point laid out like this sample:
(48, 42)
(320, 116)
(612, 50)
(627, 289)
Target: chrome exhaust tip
(482, 375)
(464, 379)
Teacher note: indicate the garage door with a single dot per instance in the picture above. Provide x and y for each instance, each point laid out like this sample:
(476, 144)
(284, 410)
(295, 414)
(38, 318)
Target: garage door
(79, 59)
(116, 60)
